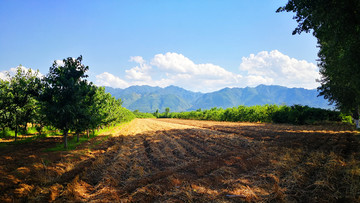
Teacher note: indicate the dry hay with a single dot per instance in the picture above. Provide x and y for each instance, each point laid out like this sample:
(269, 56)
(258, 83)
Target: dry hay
(172, 160)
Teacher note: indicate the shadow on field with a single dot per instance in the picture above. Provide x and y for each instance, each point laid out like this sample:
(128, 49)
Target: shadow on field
(207, 162)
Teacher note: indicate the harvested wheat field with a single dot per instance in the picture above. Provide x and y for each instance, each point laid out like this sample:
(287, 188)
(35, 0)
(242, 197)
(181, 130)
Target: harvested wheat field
(169, 160)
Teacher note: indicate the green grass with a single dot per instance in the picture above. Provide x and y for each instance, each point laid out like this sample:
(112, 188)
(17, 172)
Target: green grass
(72, 144)
(7, 133)
(19, 141)
(31, 130)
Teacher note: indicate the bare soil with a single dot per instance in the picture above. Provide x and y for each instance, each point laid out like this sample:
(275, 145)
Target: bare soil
(170, 160)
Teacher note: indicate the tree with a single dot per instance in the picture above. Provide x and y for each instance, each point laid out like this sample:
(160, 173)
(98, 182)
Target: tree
(167, 112)
(156, 113)
(5, 101)
(98, 108)
(21, 104)
(83, 112)
(336, 25)
(63, 94)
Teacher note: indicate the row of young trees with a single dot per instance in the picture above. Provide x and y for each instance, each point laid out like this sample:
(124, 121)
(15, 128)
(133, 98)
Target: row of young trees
(63, 99)
(296, 114)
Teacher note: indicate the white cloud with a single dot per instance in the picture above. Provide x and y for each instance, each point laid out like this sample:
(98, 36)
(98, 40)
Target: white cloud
(60, 62)
(141, 73)
(199, 77)
(12, 72)
(178, 63)
(3, 75)
(270, 68)
(275, 68)
(110, 80)
(137, 59)
(137, 73)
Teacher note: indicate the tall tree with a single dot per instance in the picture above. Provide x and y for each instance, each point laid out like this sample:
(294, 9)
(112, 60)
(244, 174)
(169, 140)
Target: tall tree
(21, 104)
(83, 114)
(63, 94)
(336, 25)
(5, 101)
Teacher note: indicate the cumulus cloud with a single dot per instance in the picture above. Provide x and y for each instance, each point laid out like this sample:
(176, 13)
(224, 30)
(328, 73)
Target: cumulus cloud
(275, 68)
(141, 72)
(60, 62)
(137, 59)
(270, 68)
(178, 63)
(3, 75)
(12, 72)
(110, 80)
(201, 77)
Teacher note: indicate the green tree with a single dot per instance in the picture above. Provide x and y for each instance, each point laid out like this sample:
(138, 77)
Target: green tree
(167, 112)
(336, 25)
(5, 102)
(98, 109)
(21, 104)
(63, 94)
(83, 113)
(156, 113)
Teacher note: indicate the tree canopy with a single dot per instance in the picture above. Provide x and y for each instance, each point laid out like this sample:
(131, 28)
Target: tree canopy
(63, 96)
(70, 102)
(63, 99)
(336, 25)
(18, 99)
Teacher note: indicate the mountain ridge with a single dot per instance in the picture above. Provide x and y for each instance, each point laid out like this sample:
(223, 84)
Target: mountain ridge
(148, 99)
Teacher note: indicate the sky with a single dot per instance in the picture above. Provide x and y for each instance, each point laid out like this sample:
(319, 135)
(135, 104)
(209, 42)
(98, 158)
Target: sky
(202, 45)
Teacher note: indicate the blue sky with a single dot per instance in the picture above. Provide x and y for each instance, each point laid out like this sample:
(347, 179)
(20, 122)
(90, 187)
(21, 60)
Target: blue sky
(201, 45)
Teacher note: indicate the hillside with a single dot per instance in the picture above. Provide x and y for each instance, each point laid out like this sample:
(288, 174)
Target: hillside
(149, 99)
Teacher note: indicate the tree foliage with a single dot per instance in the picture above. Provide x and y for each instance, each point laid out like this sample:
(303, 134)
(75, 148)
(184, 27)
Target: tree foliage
(296, 114)
(18, 99)
(70, 102)
(63, 99)
(63, 94)
(5, 102)
(139, 114)
(336, 25)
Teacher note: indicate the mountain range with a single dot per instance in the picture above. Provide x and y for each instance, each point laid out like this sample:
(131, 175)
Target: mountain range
(149, 99)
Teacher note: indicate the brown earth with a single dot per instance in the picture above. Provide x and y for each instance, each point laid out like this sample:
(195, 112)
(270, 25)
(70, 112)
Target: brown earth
(169, 160)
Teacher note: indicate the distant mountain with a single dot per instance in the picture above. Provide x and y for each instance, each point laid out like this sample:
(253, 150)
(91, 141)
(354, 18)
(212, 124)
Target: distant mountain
(260, 95)
(149, 99)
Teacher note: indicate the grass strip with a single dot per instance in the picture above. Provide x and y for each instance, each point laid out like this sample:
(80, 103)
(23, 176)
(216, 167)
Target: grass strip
(72, 144)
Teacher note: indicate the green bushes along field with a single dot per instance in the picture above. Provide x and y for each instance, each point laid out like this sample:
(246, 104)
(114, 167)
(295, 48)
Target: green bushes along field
(296, 114)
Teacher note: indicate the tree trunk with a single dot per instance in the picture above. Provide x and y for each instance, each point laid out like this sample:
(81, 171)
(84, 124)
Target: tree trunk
(356, 116)
(87, 133)
(77, 137)
(16, 131)
(40, 130)
(65, 138)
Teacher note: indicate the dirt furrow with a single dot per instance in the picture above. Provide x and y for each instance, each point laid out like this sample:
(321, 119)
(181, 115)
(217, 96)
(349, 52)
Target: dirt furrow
(178, 151)
(171, 160)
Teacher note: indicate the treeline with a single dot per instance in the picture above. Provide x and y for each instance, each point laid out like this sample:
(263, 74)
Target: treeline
(295, 114)
(63, 99)
(139, 114)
